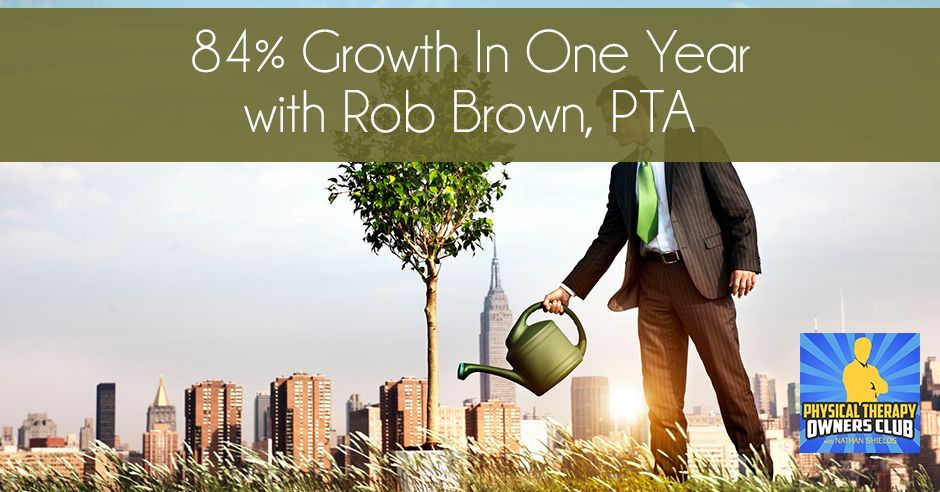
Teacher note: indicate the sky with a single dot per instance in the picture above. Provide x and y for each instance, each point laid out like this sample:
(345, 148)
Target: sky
(124, 272)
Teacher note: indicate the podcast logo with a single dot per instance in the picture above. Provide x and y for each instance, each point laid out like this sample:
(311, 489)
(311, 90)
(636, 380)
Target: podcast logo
(860, 393)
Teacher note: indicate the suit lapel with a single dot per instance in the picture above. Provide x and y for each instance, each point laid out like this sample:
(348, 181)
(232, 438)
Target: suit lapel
(626, 196)
(670, 166)
(630, 189)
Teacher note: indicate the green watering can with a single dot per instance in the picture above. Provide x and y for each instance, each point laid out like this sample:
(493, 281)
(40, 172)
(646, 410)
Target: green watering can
(540, 354)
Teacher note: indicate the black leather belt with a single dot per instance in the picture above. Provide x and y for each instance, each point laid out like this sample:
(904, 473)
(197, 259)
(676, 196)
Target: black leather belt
(664, 258)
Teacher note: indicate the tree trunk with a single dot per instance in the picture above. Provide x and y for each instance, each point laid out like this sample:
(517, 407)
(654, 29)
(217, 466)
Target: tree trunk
(430, 313)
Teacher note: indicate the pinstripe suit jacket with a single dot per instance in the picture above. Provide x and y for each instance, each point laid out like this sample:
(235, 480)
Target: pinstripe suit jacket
(711, 216)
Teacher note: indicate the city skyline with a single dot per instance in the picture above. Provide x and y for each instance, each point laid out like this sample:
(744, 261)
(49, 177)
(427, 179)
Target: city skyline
(494, 426)
(222, 253)
(302, 419)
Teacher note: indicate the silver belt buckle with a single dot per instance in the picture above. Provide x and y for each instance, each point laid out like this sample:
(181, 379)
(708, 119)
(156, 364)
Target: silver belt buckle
(672, 254)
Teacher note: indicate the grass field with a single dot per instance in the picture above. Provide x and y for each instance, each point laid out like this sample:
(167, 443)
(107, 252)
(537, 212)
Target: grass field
(570, 465)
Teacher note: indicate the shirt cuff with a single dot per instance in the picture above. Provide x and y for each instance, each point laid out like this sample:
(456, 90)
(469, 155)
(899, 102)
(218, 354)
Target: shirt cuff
(568, 290)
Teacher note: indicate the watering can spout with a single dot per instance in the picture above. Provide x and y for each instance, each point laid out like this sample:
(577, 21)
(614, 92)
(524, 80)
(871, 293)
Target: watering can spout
(465, 369)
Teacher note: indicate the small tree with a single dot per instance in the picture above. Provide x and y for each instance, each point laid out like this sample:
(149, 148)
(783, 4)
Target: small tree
(423, 212)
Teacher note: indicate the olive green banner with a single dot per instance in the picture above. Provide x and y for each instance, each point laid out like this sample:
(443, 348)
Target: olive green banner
(468, 84)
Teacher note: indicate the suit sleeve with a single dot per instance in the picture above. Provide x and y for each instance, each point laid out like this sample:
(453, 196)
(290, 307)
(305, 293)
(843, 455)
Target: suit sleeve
(611, 237)
(733, 211)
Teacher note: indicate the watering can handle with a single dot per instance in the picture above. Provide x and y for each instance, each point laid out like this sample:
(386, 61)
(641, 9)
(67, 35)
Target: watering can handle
(582, 338)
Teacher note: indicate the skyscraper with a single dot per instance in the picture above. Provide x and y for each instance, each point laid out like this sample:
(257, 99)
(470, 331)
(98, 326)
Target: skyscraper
(793, 408)
(86, 434)
(301, 418)
(930, 382)
(494, 426)
(765, 394)
(161, 412)
(364, 432)
(353, 403)
(36, 426)
(213, 420)
(495, 323)
(590, 407)
(161, 442)
(262, 417)
(404, 407)
(105, 413)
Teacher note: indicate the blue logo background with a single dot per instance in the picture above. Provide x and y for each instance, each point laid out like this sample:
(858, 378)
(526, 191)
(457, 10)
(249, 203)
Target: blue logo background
(823, 357)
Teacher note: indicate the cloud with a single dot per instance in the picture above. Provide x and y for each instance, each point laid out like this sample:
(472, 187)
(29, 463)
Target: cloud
(28, 189)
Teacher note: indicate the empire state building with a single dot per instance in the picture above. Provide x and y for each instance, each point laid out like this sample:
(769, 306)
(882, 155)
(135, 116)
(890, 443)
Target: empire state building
(495, 323)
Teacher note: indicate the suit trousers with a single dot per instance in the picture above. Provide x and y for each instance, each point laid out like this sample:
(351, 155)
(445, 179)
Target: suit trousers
(672, 311)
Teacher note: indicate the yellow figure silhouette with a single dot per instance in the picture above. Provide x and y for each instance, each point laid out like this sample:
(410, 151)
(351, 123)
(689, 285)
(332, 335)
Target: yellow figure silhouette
(862, 381)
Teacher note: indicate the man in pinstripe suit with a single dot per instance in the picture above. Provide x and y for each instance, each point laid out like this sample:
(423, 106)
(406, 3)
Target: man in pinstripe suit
(691, 248)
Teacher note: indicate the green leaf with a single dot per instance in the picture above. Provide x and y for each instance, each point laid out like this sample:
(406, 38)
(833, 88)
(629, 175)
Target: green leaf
(403, 205)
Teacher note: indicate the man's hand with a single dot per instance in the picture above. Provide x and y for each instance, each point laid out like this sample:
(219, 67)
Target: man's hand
(555, 301)
(742, 282)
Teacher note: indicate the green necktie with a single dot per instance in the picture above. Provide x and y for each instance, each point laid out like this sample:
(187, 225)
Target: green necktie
(647, 223)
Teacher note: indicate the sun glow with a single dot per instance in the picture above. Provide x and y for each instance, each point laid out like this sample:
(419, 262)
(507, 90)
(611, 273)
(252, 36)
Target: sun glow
(626, 404)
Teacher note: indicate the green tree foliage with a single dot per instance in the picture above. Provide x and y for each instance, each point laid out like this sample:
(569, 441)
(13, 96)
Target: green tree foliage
(422, 212)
